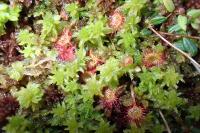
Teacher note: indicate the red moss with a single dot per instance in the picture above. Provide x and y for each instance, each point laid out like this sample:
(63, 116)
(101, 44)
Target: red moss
(66, 50)
(64, 15)
(106, 5)
(82, 2)
(64, 39)
(8, 106)
(152, 58)
(10, 50)
(68, 53)
(116, 20)
(53, 95)
(193, 4)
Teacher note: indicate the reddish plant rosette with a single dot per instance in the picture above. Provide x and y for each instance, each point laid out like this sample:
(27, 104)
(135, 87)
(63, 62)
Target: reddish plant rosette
(153, 58)
(109, 99)
(135, 114)
(116, 20)
(53, 95)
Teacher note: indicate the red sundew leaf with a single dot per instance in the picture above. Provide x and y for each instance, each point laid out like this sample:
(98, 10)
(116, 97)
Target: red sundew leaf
(136, 114)
(152, 58)
(93, 63)
(109, 100)
(116, 20)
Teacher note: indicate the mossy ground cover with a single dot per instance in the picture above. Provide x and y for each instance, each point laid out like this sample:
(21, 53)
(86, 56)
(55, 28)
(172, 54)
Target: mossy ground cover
(104, 66)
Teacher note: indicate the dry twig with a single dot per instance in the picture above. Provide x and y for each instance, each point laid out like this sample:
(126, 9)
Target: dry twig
(165, 122)
(179, 35)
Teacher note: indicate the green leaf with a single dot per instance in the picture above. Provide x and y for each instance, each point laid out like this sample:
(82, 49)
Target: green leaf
(59, 115)
(196, 24)
(145, 32)
(174, 28)
(169, 5)
(182, 22)
(158, 20)
(190, 46)
(157, 128)
(137, 57)
(71, 87)
(179, 45)
(73, 125)
(194, 13)
(135, 129)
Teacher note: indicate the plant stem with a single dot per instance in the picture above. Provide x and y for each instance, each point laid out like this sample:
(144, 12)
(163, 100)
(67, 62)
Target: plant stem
(196, 65)
(178, 35)
(133, 94)
(165, 122)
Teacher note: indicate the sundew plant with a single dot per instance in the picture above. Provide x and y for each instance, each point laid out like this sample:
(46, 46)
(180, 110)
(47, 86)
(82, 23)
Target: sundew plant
(99, 66)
